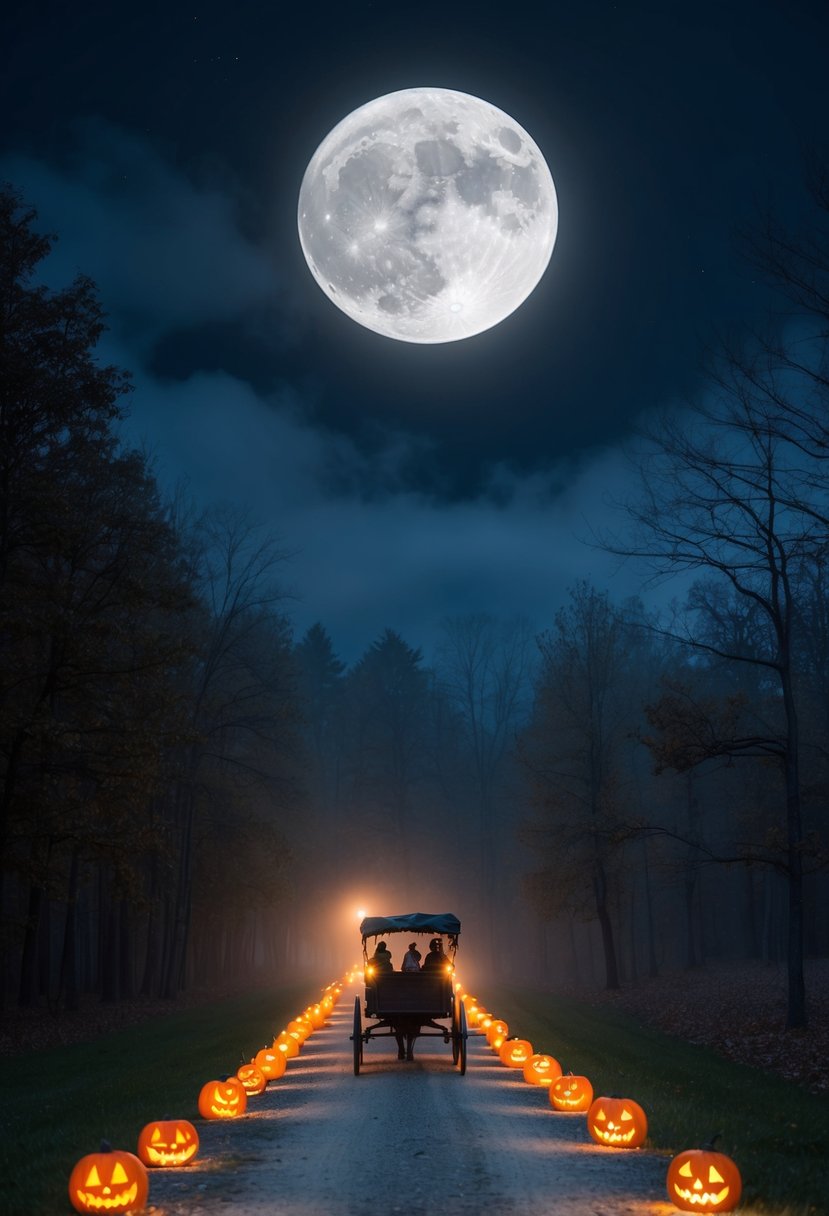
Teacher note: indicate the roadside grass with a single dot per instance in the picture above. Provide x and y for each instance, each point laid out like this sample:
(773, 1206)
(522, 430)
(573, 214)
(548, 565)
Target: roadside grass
(61, 1102)
(777, 1132)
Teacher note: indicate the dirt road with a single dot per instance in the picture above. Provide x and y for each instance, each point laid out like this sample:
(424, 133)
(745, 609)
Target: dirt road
(415, 1138)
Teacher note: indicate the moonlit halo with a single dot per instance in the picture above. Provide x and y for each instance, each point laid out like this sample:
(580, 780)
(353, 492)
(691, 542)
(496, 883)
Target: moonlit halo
(427, 215)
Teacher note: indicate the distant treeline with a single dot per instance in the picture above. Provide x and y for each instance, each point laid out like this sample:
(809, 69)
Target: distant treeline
(190, 795)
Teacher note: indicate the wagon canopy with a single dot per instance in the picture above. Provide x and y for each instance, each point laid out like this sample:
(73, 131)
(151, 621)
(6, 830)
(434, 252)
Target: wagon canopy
(413, 922)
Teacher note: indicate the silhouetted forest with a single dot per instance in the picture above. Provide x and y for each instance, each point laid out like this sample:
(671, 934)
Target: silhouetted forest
(191, 796)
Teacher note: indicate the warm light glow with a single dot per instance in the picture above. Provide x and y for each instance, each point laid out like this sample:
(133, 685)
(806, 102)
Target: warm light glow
(168, 1142)
(223, 1099)
(108, 1181)
(541, 1069)
(361, 914)
(571, 1094)
(702, 1180)
(617, 1122)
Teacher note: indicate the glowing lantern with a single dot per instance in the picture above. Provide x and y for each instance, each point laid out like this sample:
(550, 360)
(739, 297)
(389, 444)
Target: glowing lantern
(541, 1069)
(108, 1181)
(617, 1122)
(496, 1034)
(223, 1099)
(514, 1053)
(252, 1078)
(702, 1180)
(473, 1012)
(317, 1016)
(299, 1030)
(287, 1044)
(571, 1093)
(168, 1142)
(271, 1062)
(485, 1022)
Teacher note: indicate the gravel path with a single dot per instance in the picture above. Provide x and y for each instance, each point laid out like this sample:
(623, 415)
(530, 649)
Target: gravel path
(415, 1138)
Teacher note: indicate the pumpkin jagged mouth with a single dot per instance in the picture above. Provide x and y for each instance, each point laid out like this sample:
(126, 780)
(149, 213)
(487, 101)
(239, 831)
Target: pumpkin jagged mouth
(711, 1198)
(225, 1112)
(566, 1100)
(175, 1156)
(613, 1137)
(89, 1200)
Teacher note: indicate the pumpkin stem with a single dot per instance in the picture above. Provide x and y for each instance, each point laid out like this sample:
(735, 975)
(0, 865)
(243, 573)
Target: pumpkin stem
(106, 1147)
(709, 1146)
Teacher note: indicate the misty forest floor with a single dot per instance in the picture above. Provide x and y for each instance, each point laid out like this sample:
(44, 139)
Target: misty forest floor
(737, 1009)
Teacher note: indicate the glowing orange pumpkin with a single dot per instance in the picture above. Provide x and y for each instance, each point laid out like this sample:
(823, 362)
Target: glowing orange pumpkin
(168, 1142)
(514, 1053)
(541, 1069)
(496, 1034)
(617, 1122)
(271, 1062)
(287, 1043)
(317, 1015)
(108, 1181)
(571, 1093)
(252, 1078)
(702, 1180)
(298, 1030)
(223, 1099)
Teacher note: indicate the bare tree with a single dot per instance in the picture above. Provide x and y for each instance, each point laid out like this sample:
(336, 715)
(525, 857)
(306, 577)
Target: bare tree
(731, 489)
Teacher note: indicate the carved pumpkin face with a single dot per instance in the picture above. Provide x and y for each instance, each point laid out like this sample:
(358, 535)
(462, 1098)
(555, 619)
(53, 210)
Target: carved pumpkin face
(317, 1016)
(168, 1142)
(571, 1093)
(541, 1069)
(223, 1099)
(496, 1034)
(514, 1053)
(252, 1078)
(108, 1181)
(270, 1061)
(617, 1122)
(700, 1180)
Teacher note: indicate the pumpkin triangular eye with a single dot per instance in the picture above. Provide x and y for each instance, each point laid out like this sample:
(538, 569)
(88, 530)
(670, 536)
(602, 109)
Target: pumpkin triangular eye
(119, 1174)
(93, 1178)
(685, 1170)
(179, 1136)
(601, 1115)
(626, 1114)
(714, 1175)
(156, 1136)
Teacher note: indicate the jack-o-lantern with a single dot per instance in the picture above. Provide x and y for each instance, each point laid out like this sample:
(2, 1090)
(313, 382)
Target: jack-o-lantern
(571, 1094)
(485, 1022)
(168, 1142)
(272, 1062)
(617, 1122)
(514, 1053)
(110, 1180)
(299, 1030)
(252, 1078)
(287, 1043)
(223, 1099)
(496, 1034)
(541, 1069)
(702, 1180)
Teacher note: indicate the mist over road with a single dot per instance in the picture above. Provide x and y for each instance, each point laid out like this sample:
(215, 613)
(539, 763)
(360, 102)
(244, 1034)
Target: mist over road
(416, 1138)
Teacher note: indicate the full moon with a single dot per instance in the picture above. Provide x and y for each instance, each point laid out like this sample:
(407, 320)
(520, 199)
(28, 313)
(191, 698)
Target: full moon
(427, 215)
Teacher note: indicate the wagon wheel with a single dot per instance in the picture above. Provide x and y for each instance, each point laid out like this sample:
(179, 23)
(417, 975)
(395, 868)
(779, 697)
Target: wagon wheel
(357, 1037)
(456, 1030)
(462, 1040)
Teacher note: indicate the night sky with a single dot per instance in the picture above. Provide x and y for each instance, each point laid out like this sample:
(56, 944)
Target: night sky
(165, 145)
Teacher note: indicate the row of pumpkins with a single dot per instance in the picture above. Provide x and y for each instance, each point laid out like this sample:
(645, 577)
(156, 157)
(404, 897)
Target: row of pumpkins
(699, 1180)
(114, 1180)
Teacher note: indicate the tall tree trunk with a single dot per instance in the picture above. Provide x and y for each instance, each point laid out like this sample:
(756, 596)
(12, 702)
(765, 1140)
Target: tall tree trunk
(68, 978)
(606, 926)
(28, 959)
